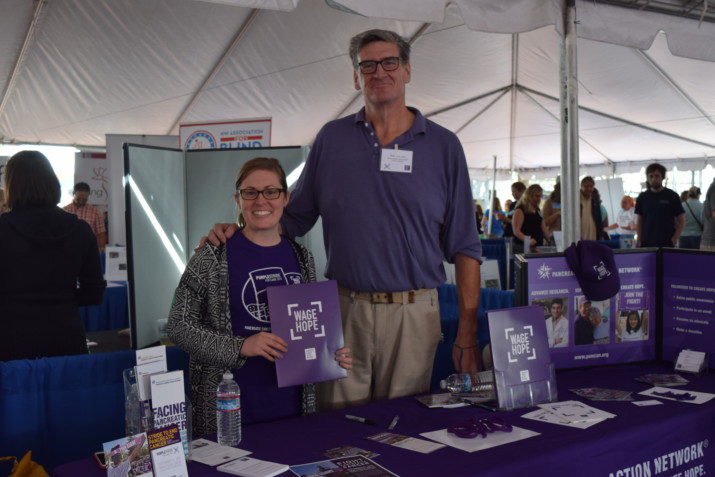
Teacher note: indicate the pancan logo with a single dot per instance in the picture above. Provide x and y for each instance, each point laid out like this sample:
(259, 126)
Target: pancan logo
(602, 271)
(544, 271)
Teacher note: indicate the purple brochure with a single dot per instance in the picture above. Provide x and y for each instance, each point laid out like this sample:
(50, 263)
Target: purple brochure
(520, 347)
(307, 317)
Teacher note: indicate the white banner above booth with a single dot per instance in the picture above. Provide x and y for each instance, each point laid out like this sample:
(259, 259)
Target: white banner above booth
(242, 133)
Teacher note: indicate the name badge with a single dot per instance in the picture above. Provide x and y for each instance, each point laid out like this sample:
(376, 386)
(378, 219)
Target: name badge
(396, 160)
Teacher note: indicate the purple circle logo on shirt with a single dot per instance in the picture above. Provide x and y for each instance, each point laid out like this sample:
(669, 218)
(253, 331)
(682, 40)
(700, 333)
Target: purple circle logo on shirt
(254, 296)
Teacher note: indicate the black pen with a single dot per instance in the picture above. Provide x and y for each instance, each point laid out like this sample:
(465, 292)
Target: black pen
(360, 419)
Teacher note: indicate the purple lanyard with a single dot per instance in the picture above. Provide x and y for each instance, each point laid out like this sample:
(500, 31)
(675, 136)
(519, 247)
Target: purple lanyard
(475, 426)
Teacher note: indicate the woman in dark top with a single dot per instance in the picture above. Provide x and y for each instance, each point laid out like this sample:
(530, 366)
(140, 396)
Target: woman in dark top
(527, 219)
(49, 265)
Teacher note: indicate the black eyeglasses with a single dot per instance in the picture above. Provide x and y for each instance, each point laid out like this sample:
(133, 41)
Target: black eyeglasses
(252, 194)
(391, 63)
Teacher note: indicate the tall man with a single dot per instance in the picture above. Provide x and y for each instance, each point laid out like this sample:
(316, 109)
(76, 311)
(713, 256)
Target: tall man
(660, 217)
(707, 242)
(87, 212)
(393, 191)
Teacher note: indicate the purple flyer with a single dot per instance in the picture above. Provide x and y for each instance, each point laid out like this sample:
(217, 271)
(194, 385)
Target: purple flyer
(588, 333)
(519, 344)
(307, 317)
(688, 303)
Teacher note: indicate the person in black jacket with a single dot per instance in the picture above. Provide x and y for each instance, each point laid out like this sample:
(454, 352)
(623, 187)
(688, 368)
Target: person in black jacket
(49, 265)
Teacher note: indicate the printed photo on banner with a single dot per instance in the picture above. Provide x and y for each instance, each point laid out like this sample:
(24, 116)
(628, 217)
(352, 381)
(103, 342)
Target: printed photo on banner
(556, 312)
(591, 321)
(632, 325)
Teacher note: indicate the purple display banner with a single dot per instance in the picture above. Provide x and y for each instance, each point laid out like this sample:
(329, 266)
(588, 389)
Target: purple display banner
(307, 317)
(585, 333)
(688, 303)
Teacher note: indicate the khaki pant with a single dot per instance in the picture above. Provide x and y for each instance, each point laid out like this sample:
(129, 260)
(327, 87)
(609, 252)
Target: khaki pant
(392, 347)
(707, 247)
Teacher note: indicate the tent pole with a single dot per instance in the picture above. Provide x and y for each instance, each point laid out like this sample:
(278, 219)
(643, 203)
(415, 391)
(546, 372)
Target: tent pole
(568, 87)
(492, 195)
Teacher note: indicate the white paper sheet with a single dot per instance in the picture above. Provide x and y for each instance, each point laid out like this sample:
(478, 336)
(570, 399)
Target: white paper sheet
(700, 398)
(545, 416)
(493, 439)
(211, 453)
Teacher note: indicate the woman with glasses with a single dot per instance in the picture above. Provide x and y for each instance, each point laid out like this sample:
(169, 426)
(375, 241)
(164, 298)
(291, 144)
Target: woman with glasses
(220, 315)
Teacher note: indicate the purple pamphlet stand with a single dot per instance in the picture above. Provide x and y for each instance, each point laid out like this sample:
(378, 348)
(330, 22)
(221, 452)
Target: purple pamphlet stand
(523, 372)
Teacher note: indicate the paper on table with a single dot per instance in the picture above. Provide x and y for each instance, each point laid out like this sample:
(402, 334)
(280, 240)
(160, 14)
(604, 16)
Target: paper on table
(575, 411)
(211, 453)
(480, 443)
(545, 416)
(250, 467)
(404, 442)
(700, 398)
(649, 402)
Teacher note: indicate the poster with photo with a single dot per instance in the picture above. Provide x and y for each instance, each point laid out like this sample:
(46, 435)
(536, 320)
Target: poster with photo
(588, 333)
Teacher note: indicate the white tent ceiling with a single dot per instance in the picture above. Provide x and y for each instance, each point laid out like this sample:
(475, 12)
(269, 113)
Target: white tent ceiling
(92, 67)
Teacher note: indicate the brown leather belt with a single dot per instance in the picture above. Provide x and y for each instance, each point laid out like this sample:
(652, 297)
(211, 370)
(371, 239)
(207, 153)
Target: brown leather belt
(384, 297)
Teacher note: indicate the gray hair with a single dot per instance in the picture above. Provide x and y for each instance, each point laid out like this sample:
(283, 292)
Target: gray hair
(361, 39)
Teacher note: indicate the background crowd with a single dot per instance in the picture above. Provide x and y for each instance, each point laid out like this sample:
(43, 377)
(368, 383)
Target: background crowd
(658, 217)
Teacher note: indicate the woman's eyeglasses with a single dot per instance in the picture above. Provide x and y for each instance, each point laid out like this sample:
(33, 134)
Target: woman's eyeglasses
(252, 194)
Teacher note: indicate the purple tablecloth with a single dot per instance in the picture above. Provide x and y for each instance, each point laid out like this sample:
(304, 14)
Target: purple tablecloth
(654, 437)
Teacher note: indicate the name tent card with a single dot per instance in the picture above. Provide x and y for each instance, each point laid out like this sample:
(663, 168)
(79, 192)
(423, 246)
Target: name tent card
(307, 317)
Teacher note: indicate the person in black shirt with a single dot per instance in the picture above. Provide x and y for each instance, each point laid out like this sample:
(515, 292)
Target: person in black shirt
(517, 190)
(660, 217)
(527, 220)
(50, 265)
(583, 328)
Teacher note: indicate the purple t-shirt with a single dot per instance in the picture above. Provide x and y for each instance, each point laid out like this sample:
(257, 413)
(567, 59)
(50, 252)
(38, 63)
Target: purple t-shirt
(251, 269)
(386, 231)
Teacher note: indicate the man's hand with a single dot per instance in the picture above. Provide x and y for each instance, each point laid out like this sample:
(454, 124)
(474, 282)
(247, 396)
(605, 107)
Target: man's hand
(467, 359)
(342, 356)
(264, 344)
(218, 235)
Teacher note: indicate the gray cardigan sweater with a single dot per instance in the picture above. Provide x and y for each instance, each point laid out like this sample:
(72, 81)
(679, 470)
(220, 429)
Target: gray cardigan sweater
(200, 324)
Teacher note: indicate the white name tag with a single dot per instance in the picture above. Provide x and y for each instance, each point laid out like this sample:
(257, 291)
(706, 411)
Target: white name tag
(396, 160)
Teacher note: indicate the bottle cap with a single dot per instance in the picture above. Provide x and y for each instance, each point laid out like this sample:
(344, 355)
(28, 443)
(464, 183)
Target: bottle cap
(227, 375)
(443, 384)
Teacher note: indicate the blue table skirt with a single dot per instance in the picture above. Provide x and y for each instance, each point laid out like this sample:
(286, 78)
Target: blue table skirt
(449, 316)
(112, 314)
(64, 408)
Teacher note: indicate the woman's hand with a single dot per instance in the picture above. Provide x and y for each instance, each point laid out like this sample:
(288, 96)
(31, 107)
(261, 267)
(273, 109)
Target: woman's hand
(264, 344)
(532, 242)
(342, 356)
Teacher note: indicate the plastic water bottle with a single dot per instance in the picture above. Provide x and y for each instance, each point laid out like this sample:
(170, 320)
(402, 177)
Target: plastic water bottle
(228, 411)
(469, 383)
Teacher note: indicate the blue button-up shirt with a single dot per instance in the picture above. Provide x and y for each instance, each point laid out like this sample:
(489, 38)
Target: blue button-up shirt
(386, 231)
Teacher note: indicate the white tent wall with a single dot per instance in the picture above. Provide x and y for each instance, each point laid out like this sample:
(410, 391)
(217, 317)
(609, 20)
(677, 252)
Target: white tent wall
(115, 157)
(94, 66)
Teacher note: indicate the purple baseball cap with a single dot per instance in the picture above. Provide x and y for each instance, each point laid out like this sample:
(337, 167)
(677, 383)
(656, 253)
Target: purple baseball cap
(595, 269)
